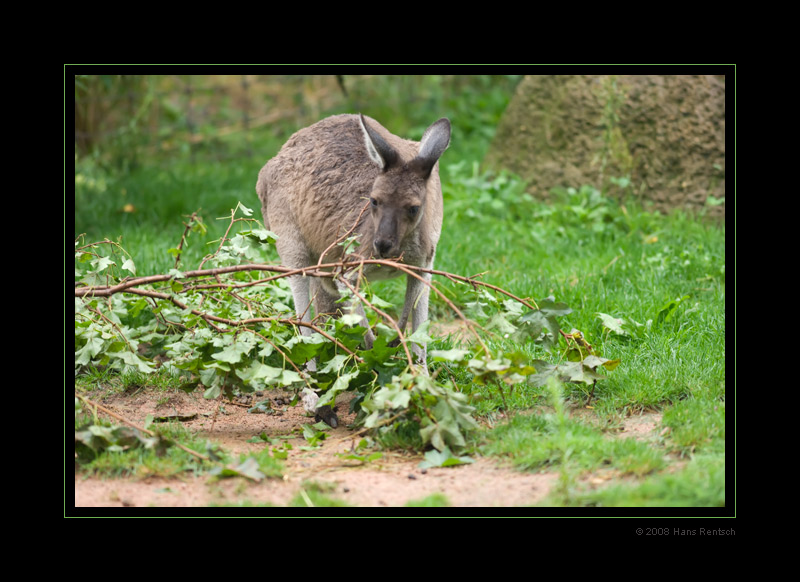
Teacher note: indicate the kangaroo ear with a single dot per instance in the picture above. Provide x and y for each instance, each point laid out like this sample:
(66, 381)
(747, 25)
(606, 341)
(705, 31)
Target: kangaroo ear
(432, 145)
(379, 151)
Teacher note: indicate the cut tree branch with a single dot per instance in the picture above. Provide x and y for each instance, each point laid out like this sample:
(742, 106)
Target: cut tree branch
(334, 270)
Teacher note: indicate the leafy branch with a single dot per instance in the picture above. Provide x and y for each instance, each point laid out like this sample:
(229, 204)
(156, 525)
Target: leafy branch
(230, 327)
(93, 438)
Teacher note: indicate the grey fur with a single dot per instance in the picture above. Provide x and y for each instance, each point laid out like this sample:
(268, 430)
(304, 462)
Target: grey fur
(313, 190)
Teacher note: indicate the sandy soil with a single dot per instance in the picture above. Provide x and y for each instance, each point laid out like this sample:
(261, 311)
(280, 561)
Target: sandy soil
(391, 481)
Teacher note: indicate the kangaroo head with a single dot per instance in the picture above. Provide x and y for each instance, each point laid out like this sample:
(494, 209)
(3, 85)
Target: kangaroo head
(398, 196)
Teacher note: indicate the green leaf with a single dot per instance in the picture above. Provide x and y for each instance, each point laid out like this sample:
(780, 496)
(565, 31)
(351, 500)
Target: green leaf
(541, 325)
(669, 309)
(249, 469)
(613, 324)
(263, 407)
(363, 458)
(233, 353)
(101, 263)
(453, 355)
(594, 362)
(385, 401)
(264, 236)
(94, 345)
(189, 386)
(450, 415)
(334, 365)
(550, 306)
(258, 371)
(578, 373)
(382, 360)
(312, 435)
(380, 303)
(383, 330)
(289, 377)
(420, 336)
(199, 226)
(443, 458)
(501, 324)
(132, 359)
(350, 319)
(129, 266)
(304, 347)
(531, 325)
(341, 384)
(212, 392)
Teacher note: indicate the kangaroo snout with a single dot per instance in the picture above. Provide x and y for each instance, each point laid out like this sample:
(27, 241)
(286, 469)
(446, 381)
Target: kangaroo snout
(385, 243)
(384, 248)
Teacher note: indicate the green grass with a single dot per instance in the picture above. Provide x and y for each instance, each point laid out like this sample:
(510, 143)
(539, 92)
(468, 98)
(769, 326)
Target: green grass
(161, 201)
(433, 500)
(125, 457)
(130, 380)
(119, 451)
(316, 495)
(538, 442)
(701, 483)
(663, 275)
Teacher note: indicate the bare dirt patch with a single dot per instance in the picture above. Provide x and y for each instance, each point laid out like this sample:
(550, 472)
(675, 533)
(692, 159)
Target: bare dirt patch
(391, 481)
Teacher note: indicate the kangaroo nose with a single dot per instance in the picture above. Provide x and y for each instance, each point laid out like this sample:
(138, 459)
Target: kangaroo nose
(383, 247)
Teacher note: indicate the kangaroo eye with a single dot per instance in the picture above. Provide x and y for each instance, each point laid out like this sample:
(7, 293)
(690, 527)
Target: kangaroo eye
(374, 202)
(413, 210)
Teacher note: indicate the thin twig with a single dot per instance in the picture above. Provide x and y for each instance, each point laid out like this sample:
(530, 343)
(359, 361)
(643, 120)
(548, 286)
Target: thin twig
(113, 325)
(411, 273)
(453, 277)
(186, 230)
(319, 270)
(124, 420)
(332, 270)
(391, 321)
(345, 235)
(124, 286)
(225, 236)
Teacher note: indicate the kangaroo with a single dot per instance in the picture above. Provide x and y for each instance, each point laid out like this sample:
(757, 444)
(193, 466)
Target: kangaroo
(316, 189)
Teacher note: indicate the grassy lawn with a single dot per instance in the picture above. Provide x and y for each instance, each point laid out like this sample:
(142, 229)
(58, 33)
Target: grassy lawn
(642, 288)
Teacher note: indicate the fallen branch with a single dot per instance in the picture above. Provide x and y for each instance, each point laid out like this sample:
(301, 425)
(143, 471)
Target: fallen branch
(129, 283)
(334, 270)
(383, 314)
(152, 434)
(225, 359)
(131, 424)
